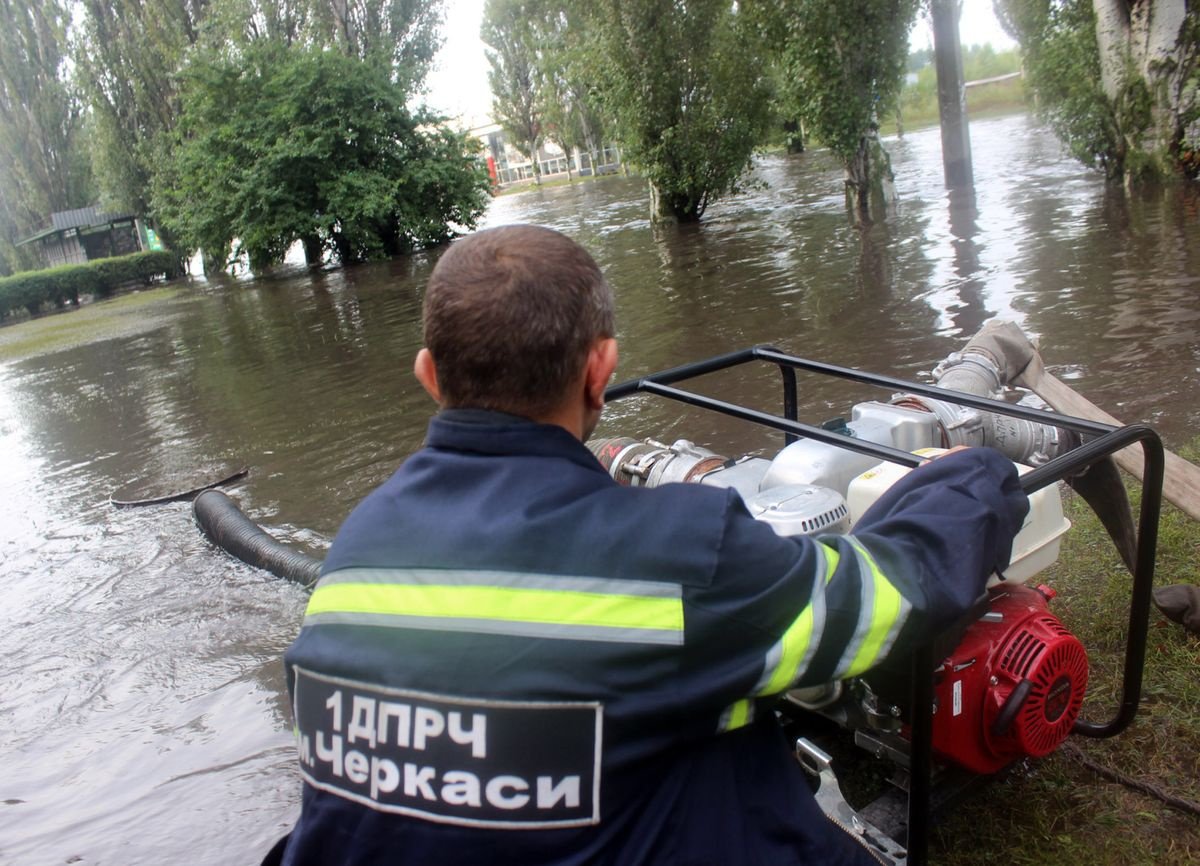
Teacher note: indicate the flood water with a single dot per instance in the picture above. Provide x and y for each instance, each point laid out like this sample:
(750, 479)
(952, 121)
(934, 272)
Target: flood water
(143, 714)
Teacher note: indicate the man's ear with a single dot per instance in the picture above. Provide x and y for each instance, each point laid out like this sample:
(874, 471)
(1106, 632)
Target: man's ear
(426, 372)
(601, 362)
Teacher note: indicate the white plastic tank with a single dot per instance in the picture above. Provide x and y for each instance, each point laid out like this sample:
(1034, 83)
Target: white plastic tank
(1036, 545)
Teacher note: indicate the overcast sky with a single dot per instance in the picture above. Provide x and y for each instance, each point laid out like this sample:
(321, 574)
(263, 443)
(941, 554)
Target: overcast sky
(458, 84)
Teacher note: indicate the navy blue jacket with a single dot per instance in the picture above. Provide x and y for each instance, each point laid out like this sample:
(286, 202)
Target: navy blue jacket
(511, 659)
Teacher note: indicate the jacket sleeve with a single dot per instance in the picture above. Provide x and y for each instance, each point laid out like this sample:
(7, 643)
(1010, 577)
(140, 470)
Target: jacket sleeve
(944, 528)
(831, 608)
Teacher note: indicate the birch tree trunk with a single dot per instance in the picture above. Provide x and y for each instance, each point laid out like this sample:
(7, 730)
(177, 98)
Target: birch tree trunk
(1146, 63)
(589, 140)
(1112, 38)
(534, 147)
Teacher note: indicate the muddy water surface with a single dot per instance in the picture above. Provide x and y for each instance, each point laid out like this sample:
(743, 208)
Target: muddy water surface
(143, 714)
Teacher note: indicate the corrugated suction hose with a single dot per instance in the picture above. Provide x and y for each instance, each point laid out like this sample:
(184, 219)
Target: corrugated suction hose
(230, 529)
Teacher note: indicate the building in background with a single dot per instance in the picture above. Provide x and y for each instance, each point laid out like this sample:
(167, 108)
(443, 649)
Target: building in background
(83, 235)
(509, 166)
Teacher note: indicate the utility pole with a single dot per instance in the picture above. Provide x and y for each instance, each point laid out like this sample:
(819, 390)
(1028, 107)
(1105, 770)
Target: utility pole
(952, 94)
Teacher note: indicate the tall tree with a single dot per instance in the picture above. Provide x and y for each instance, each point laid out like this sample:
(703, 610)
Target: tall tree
(844, 64)
(401, 33)
(131, 56)
(281, 144)
(684, 84)
(569, 103)
(1117, 79)
(238, 22)
(514, 46)
(127, 58)
(42, 164)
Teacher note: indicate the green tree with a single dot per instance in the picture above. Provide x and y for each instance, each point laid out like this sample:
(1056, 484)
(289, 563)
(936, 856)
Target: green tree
(404, 34)
(239, 22)
(786, 126)
(569, 105)
(845, 63)
(514, 45)
(279, 144)
(43, 166)
(131, 55)
(542, 76)
(685, 86)
(127, 56)
(1118, 81)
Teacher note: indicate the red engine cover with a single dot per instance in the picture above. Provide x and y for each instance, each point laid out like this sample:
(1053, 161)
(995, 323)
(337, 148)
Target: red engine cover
(1013, 686)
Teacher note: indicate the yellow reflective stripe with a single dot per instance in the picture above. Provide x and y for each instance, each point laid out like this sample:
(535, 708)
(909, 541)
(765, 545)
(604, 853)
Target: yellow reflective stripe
(507, 604)
(884, 613)
(796, 639)
(737, 715)
(832, 557)
(795, 642)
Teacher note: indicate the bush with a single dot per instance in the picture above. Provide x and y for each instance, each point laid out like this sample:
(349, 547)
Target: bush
(33, 290)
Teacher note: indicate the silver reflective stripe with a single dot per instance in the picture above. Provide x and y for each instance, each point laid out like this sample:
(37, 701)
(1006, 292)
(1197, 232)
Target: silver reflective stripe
(559, 631)
(775, 655)
(866, 611)
(894, 631)
(884, 612)
(771, 663)
(516, 579)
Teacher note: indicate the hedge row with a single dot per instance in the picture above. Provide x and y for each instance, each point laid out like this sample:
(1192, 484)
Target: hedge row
(33, 290)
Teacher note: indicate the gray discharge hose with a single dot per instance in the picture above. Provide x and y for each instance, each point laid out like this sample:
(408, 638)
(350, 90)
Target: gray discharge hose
(230, 529)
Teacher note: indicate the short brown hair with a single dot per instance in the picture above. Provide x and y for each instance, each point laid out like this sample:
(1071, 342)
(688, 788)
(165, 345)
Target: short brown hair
(510, 314)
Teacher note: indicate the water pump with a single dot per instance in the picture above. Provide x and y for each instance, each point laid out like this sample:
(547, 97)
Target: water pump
(1013, 684)
(1006, 682)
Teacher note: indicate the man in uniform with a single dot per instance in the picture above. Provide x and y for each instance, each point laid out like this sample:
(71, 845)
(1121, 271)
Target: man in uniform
(511, 659)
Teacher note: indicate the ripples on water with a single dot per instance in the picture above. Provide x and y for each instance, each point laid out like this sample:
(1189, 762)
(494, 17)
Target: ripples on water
(142, 706)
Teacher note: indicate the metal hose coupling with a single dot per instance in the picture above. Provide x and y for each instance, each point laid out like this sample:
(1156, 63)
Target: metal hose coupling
(648, 463)
(976, 372)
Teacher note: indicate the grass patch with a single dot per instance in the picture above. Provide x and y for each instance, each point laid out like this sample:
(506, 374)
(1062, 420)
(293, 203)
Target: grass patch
(529, 186)
(123, 316)
(1057, 810)
(994, 100)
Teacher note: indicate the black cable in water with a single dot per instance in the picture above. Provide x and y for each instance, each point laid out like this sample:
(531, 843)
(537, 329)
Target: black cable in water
(178, 497)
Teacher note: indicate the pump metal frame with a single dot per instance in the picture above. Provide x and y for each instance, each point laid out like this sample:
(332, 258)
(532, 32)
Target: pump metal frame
(1100, 441)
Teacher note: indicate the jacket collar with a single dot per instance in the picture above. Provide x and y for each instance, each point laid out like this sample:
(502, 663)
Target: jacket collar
(496, 433)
